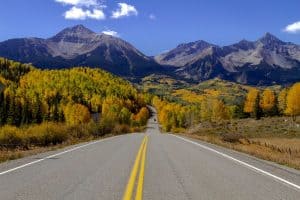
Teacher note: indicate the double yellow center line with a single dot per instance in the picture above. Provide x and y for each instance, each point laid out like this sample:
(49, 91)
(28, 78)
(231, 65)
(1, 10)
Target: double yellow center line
(138, 164)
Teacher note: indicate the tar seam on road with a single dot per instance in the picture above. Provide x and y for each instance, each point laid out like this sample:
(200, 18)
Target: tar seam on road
(295, 186)
(139, 162)
(58, 154)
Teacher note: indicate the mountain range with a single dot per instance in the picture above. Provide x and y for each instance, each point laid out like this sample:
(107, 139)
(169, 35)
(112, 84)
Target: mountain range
(79, 46)
(265, 61)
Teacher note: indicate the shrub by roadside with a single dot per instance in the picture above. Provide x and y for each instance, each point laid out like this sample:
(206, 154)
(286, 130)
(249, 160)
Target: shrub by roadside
(275, 139)
(45, 134)
(11, 137)
(16, 142)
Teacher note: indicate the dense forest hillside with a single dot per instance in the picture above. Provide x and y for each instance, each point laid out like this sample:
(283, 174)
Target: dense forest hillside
(44, 107)
(41, 108)
(31, 95)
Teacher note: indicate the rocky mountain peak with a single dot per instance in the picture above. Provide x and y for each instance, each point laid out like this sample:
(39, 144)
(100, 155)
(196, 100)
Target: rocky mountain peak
(267, 60)
(244, 45)
(184, 53)
(200, 44)
(78, 29)
(269, 39)
(74, 34)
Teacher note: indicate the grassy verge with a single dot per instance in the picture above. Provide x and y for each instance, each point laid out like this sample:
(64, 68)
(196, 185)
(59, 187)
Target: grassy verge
(20, 142)
(274, 139)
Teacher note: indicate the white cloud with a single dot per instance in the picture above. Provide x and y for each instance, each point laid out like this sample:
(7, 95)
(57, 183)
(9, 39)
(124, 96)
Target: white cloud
(111, 32)
(293, 28)
(124, 10)
(81, 14)
(84, 9)
(152, 17)
(79, 2)
(94, 9)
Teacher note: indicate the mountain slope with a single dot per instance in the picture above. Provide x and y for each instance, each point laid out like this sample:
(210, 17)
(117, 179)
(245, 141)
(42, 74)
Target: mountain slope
(265, 61)
(268, 49)
(184, 53)
(79, 46)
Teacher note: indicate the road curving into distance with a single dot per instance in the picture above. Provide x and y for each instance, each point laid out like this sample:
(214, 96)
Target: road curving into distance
(150, 166)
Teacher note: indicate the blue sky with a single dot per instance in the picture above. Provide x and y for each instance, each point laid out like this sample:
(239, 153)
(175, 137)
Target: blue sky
(157, 25)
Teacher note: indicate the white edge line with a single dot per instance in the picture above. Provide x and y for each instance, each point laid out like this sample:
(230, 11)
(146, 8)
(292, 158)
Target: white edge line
(57, 154)
(241, 162)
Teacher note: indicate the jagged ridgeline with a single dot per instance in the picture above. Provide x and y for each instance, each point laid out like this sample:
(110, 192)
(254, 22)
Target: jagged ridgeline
(30, 95)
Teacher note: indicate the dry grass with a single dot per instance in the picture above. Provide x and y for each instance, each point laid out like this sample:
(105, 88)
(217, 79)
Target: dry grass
(20, 142)
(12, 154)
(273, 139)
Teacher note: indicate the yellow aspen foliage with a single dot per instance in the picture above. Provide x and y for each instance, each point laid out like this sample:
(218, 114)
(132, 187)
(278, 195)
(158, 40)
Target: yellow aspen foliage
(125, 115)
(175, 116)
(142, 116)
(129, 104)
(148, 97)
(206, 110)
(3, 82)
(183, 117)
(252, 103)
(188, 96)
(31, 95)
(293, 101)
(166, 117)
(96, 103)
(158, 104)
(251, 100)
(111, 105)
(267, 100)
(282, 101)
(219, 111)
(76, 114)
(212, 92)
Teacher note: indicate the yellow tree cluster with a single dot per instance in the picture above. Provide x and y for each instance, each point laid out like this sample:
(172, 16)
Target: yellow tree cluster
(116, 110)
(76, 114)
(219, 111)
(174, 115)
(281, 101)
(293, 101)
(287, 102)
(213, 109)
(141, 117)
(29, 95)
(252, 103)
(268, 101)
(171, 115)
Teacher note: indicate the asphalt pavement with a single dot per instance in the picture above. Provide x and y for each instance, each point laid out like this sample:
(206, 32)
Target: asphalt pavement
(175, 168)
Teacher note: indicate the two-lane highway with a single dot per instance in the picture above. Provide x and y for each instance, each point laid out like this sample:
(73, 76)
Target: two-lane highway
(159, 166)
